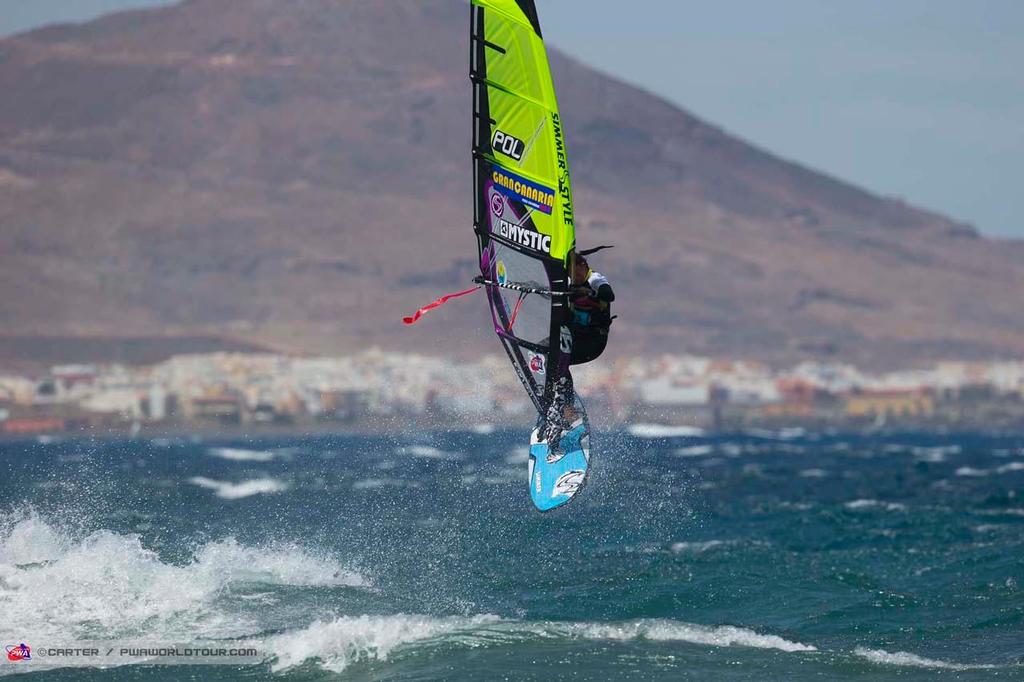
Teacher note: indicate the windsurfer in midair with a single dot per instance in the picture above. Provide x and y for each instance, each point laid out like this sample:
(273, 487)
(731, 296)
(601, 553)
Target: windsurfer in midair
(590, 303)
(590, 300)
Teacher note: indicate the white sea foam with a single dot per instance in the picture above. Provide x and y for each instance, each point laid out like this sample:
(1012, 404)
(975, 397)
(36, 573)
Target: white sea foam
(276, 564)
(242, 455)
(813, 473)
(390, 482)
(373, 483)
(972, 472)
(904, 659)
(934, 455)
(699, 547)
(664, 431)
(661, 630)
(930, 457)
(875, 504)
(1010, 511)
(782, 434)
(427, 452)
(731, 449)
(236, 491)
(504, 477)
(337, 644)
(59, 587)
(695, 451)
(1012, 466)
(483, 429)
(517, 456)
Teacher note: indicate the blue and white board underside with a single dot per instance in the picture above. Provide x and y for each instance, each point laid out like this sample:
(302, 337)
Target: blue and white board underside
(554, 481)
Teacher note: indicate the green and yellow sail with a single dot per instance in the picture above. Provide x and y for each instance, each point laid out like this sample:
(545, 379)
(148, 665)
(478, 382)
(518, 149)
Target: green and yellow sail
(523, 207)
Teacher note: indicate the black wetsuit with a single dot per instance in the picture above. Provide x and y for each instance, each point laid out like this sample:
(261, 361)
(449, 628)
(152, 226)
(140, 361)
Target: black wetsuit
(592, 318)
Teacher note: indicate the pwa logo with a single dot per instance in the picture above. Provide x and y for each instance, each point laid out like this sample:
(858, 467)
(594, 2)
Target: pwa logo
(537, 364)
(508, 145)
(18, 652)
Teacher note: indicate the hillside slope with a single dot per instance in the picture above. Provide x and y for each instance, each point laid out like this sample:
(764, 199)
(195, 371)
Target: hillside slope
(297, 175)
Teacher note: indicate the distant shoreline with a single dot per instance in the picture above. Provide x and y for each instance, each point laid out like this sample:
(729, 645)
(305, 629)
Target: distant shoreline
(643, 431)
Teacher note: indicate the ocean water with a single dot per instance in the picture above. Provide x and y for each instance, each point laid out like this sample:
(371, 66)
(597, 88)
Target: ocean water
(750, 556)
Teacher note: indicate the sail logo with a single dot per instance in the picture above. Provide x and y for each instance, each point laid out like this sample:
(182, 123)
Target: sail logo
(18, 652)
(537, 197)
(508, 145)
(517, 234)
(497, 204)
(537, 364)
(563, 167)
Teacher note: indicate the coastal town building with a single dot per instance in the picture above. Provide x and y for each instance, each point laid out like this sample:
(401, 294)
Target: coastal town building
(252, 391)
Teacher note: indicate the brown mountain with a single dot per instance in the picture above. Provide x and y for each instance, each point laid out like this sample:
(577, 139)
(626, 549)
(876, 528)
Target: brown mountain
(297, 174)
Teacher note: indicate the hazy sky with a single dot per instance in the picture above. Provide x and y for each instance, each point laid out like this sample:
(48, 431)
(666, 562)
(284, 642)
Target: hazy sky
(920, 99)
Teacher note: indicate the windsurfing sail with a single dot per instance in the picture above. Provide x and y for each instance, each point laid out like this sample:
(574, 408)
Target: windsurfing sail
(523, 214)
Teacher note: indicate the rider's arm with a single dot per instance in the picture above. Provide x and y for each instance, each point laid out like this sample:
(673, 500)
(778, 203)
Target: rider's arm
(602, 289)
(605, 293)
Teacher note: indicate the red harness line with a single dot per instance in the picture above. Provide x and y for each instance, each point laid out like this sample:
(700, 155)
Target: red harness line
(439, 302)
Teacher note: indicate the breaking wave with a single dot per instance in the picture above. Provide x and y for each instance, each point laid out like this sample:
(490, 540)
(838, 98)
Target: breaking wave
(904, 659)
(105, 585)
(336, 644)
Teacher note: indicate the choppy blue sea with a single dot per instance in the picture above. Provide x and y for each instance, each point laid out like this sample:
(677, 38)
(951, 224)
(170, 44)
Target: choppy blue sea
(751, 556)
